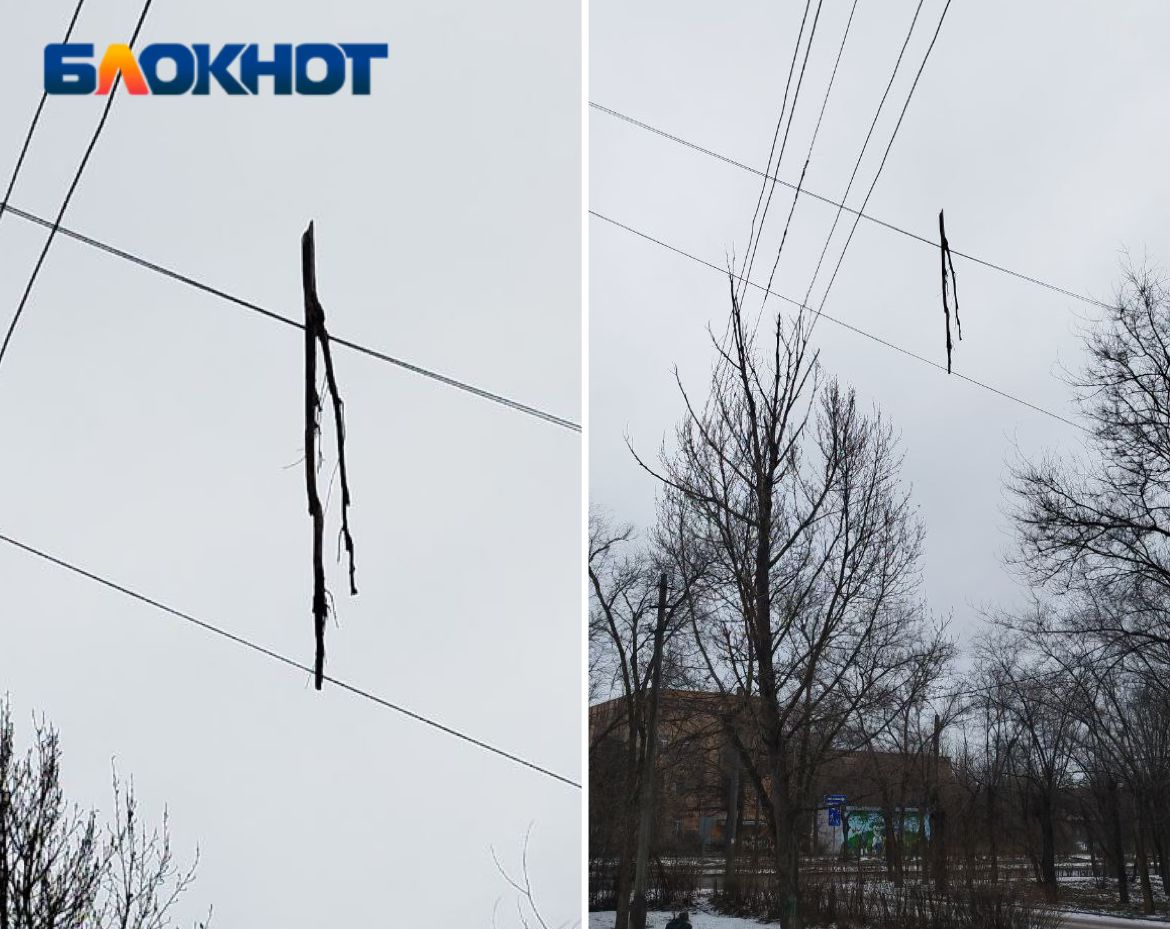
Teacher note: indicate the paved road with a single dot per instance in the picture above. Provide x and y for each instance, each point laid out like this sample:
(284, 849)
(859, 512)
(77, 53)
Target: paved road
(1090, 921)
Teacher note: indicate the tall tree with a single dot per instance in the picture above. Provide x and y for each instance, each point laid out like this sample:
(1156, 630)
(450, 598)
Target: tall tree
(623, 617)
(1100, 528)
(792, 492)
(1035, 694)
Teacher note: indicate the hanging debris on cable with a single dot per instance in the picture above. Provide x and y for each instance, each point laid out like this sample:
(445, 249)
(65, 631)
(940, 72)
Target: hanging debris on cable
(316, 336)
(945, 257)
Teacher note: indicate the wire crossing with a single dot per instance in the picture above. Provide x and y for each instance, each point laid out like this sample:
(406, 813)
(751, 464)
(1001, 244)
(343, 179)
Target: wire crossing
(840, 322)
(805, 192)
(56, 225)
(886, 154)
(290, 321)
(282, 659)
(36, 118)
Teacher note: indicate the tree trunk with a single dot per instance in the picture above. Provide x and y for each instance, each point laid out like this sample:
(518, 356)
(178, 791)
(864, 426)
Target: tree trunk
(1161, 846)
(787, 857)
(625, 872)
(891, 846)
(1143, 864)
(939, 837)
(649, 771)
(1117, 845)
(625, 876)
(923, 840)
(1092, 855)
(731, 824)
(4, 819)
(992, 832)
(1047, 848)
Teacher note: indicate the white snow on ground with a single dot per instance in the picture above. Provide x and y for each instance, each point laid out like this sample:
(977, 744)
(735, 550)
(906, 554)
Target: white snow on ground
(656, 920)
(1087, 920)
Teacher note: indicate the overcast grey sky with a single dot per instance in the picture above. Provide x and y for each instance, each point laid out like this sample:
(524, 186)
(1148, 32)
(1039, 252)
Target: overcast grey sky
(1040, 127)
(147, 429)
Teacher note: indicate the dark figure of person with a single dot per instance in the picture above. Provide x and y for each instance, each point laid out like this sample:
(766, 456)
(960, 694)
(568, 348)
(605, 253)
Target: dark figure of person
(682, 921)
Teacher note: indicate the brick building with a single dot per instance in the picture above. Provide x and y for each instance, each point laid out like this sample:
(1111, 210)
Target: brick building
(857, 790)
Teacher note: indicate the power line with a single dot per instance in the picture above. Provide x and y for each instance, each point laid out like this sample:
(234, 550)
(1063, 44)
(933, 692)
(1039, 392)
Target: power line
(840, 322)
(726, 159)
(72, 188)
(861, 154)
(289, 321)
(276, 656)
(812, 144)
(756, 234)
(886, 154)
(36, 118)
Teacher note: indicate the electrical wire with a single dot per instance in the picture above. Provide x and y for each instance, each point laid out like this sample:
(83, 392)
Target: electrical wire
(925, 240)
(282, 659)
(289, 321)
(840, 322)
(886, 154)
(755, 233)
(864, 146)
(36, 118)
(72, 188)
(811, 146)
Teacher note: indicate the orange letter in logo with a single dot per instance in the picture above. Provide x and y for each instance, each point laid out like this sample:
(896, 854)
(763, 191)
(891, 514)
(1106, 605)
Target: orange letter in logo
(119, 59)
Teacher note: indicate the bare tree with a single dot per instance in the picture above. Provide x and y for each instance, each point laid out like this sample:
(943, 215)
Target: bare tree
(792, 493)
(51, 855)
(623, 579)
(997, 732)
(528, 913)
(1033, 693)
(1100, 528)
(897, 732)
(58, 869)
(141, 882)
(1127, 739)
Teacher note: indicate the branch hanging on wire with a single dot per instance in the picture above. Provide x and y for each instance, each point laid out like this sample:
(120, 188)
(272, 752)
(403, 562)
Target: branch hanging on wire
(317, 335)
(273, 316)
(982, 385)
(954, 280)
(828, 201)
(945, 259)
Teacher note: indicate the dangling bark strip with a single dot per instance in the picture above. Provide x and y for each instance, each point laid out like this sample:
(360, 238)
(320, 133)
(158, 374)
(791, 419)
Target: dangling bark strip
(339, 425)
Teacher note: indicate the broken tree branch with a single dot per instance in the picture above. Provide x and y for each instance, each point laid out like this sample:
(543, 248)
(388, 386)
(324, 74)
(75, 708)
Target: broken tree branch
(316, 334)
(946, 260)
(954, 289)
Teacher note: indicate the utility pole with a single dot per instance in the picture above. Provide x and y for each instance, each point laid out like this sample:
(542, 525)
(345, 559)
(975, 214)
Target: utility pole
(649, 764)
